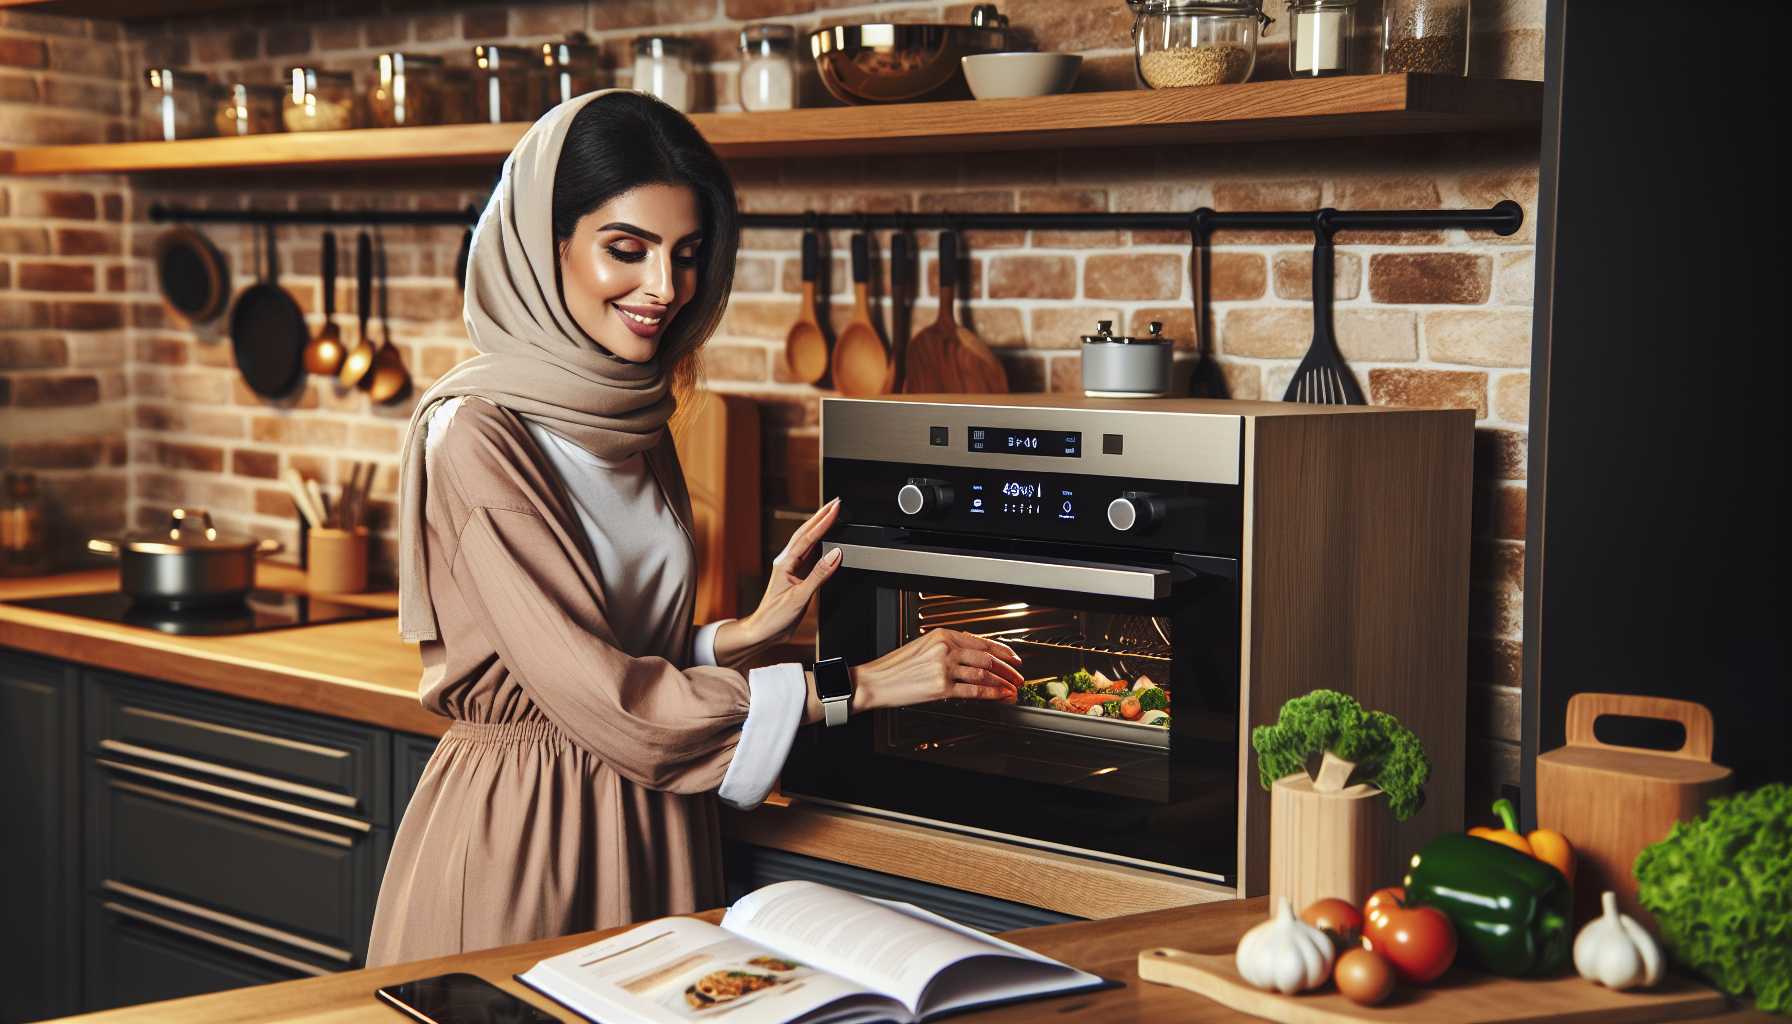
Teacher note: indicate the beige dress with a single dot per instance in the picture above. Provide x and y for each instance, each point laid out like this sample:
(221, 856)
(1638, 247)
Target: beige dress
(575, 788)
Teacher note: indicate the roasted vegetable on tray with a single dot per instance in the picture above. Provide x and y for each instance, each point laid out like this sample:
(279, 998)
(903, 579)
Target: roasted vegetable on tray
(1094, 694)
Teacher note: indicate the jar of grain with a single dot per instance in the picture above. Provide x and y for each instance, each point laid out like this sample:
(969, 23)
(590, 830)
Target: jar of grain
(568, 69)
(318, 100)
(505, 84)
(663, 70)
(1321, 36)
(176, 105)
(1195, 42)
(245, 108)
(407, 90)
(768, 67)
(1425, 36)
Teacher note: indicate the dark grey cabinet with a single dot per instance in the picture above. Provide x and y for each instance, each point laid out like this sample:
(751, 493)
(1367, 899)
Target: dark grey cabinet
(139, 956)
(409, 756)
(40, 867)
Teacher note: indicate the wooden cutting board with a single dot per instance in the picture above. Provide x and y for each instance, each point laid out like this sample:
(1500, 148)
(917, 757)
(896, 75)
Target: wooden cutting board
(718, 445)
(1461, 997)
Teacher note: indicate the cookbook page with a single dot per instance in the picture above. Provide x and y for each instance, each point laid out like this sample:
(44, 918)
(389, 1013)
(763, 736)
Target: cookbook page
(678, 969)
(887, 949)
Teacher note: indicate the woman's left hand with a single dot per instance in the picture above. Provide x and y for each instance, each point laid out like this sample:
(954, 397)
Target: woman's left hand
(787, 593)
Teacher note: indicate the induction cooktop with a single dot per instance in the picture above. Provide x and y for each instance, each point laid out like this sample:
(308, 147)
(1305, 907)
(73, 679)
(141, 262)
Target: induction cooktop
(260, 611)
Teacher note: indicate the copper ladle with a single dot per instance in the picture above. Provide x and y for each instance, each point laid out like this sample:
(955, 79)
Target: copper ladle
(324, 353)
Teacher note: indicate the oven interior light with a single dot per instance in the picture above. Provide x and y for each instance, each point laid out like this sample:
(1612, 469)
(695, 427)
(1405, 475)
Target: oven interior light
(1104, 771)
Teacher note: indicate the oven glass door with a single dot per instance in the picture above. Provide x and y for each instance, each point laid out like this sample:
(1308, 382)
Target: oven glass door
(1124, 744)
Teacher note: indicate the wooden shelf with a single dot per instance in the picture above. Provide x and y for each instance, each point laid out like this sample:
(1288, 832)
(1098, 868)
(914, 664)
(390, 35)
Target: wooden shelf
(1364, 105)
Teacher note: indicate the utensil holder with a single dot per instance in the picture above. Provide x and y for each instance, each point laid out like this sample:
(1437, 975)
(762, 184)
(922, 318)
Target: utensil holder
(338, 560)
(1326, 842)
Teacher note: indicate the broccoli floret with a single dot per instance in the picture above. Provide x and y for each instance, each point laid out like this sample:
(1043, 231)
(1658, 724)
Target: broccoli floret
(1080, 681)
(1152, 699)
(1386, 754)
(1031, 696)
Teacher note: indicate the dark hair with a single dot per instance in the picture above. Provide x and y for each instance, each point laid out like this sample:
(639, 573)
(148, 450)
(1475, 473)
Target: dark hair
(626, 140)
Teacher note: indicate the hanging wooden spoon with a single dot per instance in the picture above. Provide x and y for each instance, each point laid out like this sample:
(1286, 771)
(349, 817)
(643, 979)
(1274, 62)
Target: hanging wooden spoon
(902, 293)
(928, 364)
(860, 360)
(324, 353)
(806, 347)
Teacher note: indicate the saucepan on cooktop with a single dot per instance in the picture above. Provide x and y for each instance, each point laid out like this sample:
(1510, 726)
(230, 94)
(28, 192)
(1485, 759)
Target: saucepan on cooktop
(188, 565)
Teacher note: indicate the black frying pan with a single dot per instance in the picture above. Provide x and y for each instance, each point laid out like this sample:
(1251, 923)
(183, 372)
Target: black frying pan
(268, 334)
(192, 276)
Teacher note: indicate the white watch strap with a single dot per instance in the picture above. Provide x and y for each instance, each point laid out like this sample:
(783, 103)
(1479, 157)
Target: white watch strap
(833, 710)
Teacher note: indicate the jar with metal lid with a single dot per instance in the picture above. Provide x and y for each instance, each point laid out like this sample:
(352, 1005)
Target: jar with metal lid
(663, 70)
(1321, 37)
(1425, 36)
(568, 69)
(505, 84)
(1117, 366)
(176, 105)
(24, 527)
(407, 90)
(318, 100)
(1195, 42)
(768, 67)
(246, 108)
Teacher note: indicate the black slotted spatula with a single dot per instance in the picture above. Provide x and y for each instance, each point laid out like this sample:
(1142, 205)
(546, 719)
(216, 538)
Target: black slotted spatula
(1322, 377)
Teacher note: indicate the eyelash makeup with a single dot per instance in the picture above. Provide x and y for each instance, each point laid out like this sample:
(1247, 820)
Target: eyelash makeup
(624, 256)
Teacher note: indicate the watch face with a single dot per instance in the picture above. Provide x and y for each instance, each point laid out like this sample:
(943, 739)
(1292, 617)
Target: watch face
(831, 679)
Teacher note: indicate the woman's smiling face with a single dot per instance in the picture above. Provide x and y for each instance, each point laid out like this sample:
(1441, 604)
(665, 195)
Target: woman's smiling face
(631, 265)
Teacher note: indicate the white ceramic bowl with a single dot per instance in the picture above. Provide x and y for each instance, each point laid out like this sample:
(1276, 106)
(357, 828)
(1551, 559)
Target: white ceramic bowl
(995, 76)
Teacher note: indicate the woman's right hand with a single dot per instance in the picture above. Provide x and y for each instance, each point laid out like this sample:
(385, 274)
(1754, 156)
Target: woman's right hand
(939, 664)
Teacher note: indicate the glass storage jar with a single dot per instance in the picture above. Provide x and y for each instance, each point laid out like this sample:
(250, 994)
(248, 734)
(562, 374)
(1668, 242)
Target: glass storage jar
(1425, 36)
(407, 90)
(663, 70)
(176, 105)
(1321, 37)
(768, 67)
(318, 100)
(504, 84)
(1195, 42)
(245, 108)
(568, 69)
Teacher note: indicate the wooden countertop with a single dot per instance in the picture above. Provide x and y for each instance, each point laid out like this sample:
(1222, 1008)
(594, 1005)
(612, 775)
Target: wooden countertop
(363, 672)
(1109, 948)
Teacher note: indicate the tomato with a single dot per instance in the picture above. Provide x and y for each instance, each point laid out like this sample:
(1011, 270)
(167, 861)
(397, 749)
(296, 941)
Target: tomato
(1129, 708)
(1337, 918)
(1419, 941)
(1363, 977)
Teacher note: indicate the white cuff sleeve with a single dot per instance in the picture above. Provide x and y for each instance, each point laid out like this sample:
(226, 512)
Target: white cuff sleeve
(703, 644)
(778, 695)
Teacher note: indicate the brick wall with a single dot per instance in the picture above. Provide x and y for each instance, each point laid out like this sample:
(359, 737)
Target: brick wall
(1424, 317)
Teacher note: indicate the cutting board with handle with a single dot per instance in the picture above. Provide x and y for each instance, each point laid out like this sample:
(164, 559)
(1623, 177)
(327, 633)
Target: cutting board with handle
(718, 447)
(1461, 997)
(1611, 800)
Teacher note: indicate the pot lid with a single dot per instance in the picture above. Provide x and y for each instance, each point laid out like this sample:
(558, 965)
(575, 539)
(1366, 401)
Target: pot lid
(189, 529)
(1236, 8)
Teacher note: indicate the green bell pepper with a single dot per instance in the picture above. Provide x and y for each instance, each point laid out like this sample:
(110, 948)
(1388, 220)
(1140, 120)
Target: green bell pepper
(1512, 913)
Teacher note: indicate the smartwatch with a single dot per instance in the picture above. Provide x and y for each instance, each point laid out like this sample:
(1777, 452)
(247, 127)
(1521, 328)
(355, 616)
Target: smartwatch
(833, 687)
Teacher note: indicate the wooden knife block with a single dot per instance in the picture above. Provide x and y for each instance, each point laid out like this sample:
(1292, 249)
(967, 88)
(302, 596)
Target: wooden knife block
(1611, 801)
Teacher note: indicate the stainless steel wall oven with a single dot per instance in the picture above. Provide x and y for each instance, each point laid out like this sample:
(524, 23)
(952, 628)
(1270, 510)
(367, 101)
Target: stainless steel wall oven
(1109, 542)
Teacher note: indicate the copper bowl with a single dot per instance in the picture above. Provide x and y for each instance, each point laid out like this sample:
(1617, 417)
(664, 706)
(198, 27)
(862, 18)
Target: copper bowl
(886, 63)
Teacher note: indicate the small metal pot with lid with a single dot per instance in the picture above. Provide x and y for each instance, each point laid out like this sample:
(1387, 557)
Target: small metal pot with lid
(1195, 42)
(188, 565)
(1116, 366)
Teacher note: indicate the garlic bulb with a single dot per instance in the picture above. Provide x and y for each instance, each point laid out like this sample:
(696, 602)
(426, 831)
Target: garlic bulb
(1285, 953)
(1614, 951)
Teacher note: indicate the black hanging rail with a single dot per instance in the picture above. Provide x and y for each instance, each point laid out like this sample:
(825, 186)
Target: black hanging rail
(1503, 218)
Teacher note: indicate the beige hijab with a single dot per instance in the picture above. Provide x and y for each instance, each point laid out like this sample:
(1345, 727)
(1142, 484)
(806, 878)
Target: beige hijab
(534, 359)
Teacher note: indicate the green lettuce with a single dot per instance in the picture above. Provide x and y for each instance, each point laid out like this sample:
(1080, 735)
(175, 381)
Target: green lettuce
(1387, 754)
(1720, 888)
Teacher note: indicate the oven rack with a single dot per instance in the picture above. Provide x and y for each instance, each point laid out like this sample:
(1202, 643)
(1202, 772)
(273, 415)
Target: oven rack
(1071, 640)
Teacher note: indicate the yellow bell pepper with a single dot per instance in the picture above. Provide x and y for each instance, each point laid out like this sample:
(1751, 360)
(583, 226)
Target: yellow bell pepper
(1546, 845)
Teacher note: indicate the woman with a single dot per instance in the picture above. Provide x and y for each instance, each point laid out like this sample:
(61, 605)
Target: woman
(546, 564)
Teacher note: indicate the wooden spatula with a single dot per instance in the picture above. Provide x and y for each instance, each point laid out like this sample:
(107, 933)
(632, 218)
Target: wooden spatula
(860, 361)
(929, 363)
(805, 346)
(902, 292)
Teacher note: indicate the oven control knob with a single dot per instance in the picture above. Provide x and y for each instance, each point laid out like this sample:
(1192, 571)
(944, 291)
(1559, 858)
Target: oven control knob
(922, 496)
(1134, 512)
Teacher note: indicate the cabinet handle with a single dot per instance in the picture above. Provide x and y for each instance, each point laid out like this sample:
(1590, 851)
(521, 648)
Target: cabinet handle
(1039, 573)
(240, 924)
(250, 798)
(230, 730)
(216, 940)
(233, 774)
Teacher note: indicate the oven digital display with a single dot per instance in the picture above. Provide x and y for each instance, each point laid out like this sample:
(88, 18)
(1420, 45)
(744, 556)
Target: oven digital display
(1022, 497)
(1063, 444)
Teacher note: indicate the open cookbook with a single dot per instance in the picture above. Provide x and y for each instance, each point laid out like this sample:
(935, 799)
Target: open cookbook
(799, 951)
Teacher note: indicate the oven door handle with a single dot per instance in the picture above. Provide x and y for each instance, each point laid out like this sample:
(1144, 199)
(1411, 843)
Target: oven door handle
(1038, 573)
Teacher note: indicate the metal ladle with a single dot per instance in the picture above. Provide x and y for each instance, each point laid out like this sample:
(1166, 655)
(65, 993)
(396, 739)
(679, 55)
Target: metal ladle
(359, 360)
(388, 379)
(324, 354)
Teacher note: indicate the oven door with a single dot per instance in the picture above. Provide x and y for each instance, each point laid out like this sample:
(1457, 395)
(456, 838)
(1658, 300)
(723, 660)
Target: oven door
(1047, 772)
